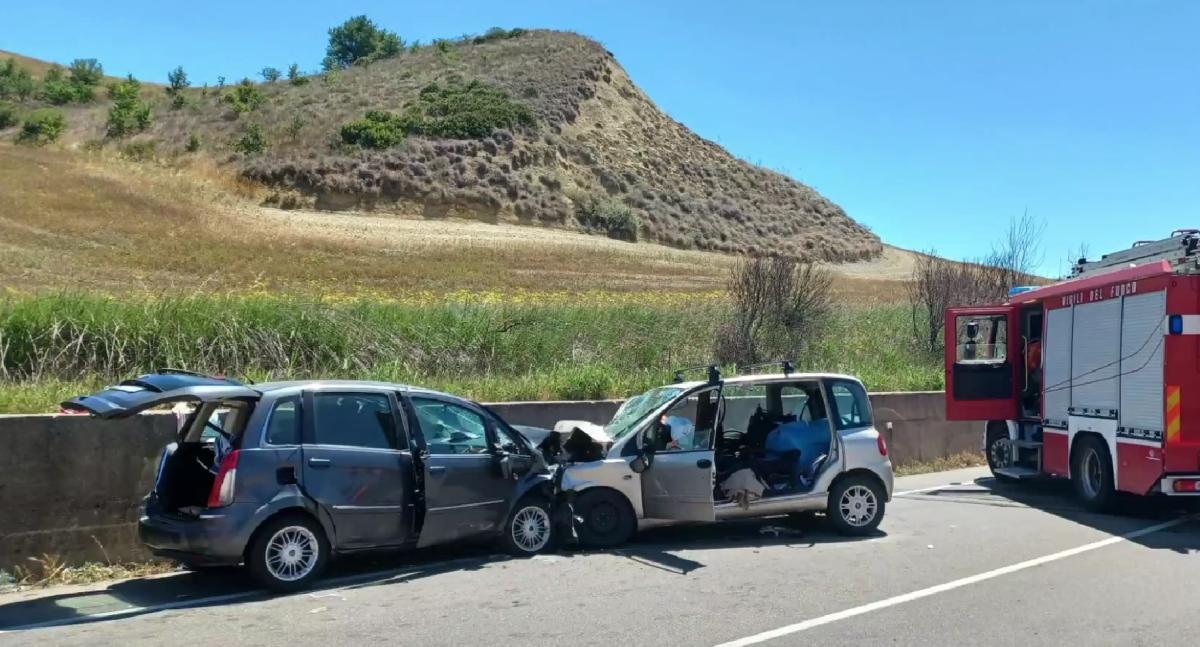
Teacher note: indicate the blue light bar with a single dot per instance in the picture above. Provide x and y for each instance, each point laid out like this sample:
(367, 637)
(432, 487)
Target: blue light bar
(1012, 292)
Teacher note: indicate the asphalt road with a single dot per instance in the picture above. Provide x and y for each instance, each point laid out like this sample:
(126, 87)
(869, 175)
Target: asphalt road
(975, 563)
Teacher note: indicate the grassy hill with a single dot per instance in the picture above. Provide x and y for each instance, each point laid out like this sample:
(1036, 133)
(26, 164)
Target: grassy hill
(90, 221)
(596, 155)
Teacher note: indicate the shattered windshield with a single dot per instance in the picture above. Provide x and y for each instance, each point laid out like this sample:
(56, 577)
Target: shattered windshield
(636, 408)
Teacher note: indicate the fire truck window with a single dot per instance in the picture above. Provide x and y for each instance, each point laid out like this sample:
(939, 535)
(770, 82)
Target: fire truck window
(982, 339)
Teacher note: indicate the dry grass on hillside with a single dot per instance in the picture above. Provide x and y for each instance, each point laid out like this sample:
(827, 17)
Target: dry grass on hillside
(91, 223)
(599, 140)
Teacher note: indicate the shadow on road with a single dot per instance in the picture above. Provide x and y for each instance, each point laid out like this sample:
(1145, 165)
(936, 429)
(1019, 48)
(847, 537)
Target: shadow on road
(653, 548)
(1128, 515)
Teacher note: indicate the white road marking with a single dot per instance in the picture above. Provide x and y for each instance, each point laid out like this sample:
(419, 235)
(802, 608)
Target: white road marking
(926, 489)
(948, 586)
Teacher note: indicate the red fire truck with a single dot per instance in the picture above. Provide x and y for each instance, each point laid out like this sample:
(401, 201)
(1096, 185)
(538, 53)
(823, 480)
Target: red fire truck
(1095, 378)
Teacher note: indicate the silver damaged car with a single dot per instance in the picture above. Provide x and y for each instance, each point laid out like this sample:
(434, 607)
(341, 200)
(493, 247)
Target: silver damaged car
(747, 446)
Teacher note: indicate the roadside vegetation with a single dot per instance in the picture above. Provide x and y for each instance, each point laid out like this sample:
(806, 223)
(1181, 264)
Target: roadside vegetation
(955, 462)
(490, 348)
(53, 570)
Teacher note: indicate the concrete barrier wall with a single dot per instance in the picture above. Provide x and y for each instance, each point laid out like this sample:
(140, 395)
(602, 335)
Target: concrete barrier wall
(70, 486)
(919, 429)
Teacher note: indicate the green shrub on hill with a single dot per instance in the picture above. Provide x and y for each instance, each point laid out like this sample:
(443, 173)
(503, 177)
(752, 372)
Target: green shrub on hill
(15, 81)
(178, 82)
(294, 76)
(245, 97)
(56, 89)
(498, 33)
(470, 111)
(359, 40)
(252, 141)
(377, 130)
(86, 72)
(129, 113)
(42, 127)
(455, 111)
(76, 86)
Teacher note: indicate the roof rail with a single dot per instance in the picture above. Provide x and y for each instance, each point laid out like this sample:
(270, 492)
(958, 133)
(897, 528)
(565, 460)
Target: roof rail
(787, 365)
(181, 371)
(713, 373)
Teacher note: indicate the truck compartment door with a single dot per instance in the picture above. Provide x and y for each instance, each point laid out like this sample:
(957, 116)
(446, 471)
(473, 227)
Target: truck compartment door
(983, 357)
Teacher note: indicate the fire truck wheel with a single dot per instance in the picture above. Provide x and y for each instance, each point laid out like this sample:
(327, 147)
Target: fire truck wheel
(1092, 474)
(999, 452)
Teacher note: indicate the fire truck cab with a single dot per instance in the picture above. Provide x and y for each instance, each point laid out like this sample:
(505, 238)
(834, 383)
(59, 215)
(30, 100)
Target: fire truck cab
(1094, 378)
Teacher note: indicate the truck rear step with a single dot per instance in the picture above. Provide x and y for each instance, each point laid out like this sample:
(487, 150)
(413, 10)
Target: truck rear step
(1017, 472)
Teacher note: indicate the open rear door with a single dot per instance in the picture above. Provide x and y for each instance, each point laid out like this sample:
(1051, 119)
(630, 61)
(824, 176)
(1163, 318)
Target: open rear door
(983, 358)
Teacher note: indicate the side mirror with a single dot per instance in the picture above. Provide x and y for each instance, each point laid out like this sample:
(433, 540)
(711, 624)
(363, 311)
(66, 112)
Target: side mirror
(502, 462)
(642, 463)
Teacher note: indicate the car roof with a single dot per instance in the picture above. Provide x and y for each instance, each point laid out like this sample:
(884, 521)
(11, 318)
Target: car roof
(770, 377)
(298, 385)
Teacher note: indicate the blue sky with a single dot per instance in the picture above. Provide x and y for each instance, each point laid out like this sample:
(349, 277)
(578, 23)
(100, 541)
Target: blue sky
(931, 122)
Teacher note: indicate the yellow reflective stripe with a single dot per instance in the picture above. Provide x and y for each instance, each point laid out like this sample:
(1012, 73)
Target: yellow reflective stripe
(1173, 417)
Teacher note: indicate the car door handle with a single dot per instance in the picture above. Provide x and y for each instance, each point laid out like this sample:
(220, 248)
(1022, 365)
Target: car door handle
(319, 462)
(704, 463)
(437, 469)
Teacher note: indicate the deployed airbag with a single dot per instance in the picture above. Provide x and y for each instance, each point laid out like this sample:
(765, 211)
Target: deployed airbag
(575, 441)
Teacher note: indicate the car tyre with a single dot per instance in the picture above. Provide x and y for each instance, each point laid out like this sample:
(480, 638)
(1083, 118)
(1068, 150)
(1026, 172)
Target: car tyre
(288, 553)
(607, 519)
(529, 529)
(1092, 474)
(856, 505)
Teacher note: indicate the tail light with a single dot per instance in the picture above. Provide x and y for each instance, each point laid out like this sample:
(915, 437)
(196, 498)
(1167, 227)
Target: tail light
(1186, 485)
(882, 445)
(222, 488)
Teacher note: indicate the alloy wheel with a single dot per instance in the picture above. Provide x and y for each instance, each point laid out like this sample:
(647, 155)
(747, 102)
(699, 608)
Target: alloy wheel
(858, 505)
(531, 528)
(292, 553)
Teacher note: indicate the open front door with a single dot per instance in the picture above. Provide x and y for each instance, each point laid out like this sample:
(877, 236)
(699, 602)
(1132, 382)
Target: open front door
(679, 482)
(982, 361)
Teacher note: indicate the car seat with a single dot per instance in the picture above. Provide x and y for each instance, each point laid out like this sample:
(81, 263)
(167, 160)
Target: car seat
(757, 430)
(779, 470)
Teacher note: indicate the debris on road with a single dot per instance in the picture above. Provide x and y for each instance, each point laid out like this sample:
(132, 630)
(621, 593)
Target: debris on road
(780, 531)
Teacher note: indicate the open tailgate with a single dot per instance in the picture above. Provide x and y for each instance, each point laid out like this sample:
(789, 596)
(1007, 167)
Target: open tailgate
(138, 394)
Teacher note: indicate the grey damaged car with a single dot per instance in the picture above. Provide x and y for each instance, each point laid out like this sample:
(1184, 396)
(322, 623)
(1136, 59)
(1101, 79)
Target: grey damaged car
(283, 477)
